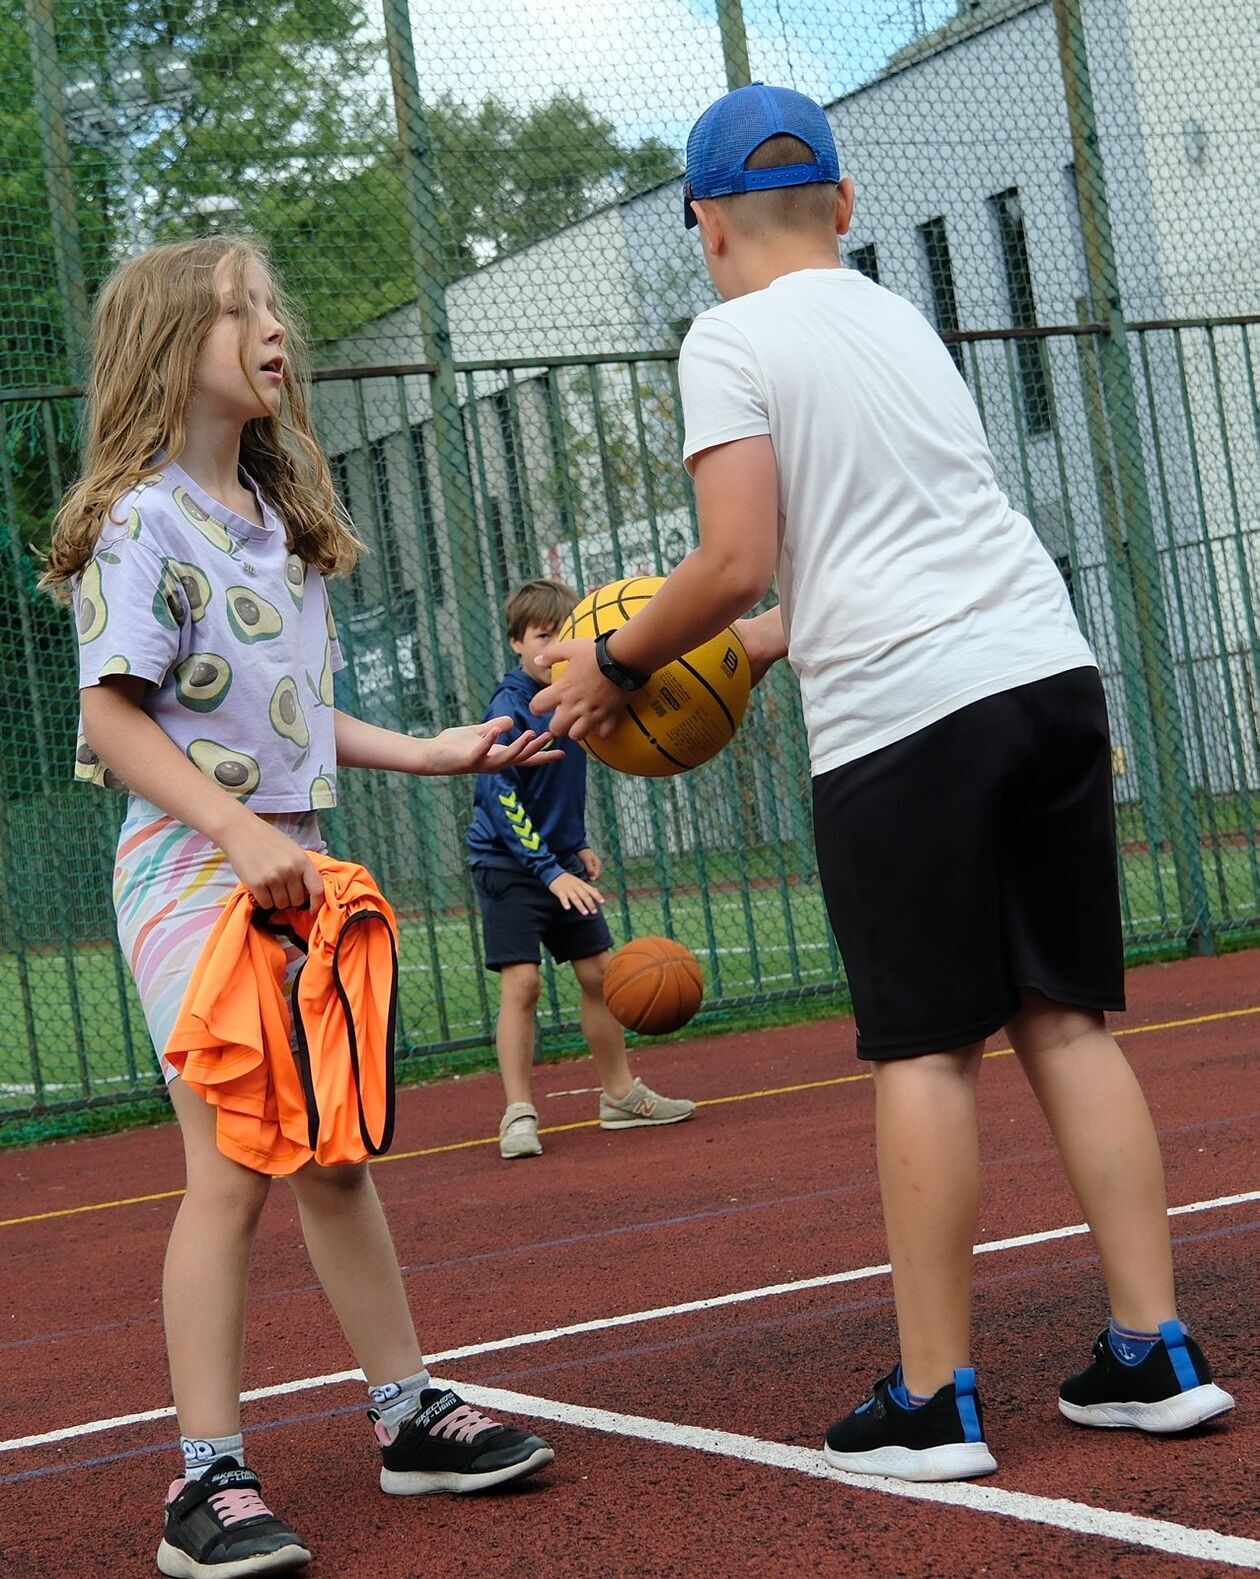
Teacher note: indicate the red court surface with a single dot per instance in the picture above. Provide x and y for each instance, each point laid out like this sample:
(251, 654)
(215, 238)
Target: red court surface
(726, 1279)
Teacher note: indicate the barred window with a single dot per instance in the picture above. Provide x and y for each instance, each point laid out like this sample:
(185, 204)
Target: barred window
(1030, 355)
(510, 438)
(339, 466)
(383, 518)
(934, 246)
(498, 550)
(1063, 564)
(865, 261)
(430, 552)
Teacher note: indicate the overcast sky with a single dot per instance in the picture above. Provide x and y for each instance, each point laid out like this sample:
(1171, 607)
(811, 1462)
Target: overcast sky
(650, 66)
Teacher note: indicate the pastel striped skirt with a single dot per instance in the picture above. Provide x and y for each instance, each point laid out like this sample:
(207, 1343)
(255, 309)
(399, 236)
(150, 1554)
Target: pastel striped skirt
(170, 883)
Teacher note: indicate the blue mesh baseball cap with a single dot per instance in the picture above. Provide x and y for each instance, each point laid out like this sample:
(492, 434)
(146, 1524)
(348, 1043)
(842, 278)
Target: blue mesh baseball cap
(732, 129)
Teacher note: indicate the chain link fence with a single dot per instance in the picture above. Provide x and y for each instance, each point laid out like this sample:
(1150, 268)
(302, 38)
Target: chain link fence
(480, 216)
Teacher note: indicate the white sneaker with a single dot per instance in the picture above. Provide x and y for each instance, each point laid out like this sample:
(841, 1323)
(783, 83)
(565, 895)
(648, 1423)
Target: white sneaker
(518, 1131)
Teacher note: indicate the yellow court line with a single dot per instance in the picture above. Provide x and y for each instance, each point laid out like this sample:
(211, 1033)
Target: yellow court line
(590, 1123)
(1199, 1019)
(97, 1206)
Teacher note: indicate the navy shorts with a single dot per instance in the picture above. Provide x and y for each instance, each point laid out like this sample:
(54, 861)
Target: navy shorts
(975, 857)
(518, 913)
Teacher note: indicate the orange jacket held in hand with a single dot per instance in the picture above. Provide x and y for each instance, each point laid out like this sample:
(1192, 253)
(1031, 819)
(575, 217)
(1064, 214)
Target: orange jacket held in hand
(324, 1093)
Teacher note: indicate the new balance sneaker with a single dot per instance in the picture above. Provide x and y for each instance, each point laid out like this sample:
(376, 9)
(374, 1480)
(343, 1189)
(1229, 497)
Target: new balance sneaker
(448, 1446)
(518, 1131)
(219, 1527)
(941, 1440)
(641, 1106)
(1170, 1390)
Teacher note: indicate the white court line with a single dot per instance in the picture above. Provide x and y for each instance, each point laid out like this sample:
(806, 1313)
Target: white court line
(27, 1088)
(602, 1324)
(1058, 1512)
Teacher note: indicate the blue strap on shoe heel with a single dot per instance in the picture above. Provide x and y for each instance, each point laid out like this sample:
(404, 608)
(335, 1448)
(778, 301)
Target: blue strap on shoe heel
(968, 1413)
(1174, 1336)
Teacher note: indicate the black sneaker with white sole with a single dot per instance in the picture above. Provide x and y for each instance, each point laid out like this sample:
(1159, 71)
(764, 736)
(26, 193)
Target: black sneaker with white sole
(942, 1439)
(447, 1445)
(218, 1527)
(1170, 1390)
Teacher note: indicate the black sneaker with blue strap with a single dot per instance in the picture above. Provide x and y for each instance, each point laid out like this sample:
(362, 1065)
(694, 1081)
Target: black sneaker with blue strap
(1171, 1389)
(942, 1439)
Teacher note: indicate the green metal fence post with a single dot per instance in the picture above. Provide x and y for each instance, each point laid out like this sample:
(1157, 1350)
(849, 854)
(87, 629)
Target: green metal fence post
(419, 185)
(730, 16)
(1180, 609)
(59, 175)
(1120, 592)
(1120, 404)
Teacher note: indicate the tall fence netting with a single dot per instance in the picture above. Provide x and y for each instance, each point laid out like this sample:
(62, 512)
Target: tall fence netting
(479, 213)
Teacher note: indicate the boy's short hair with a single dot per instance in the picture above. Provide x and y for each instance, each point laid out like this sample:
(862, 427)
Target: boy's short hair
(543, 603)
(725, 149)
(809, 206)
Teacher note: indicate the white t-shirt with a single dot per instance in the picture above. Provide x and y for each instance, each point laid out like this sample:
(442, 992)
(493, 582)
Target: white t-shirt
(910, 587)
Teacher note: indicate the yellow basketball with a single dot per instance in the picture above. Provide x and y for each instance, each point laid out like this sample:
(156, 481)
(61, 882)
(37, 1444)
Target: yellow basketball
(686, 712)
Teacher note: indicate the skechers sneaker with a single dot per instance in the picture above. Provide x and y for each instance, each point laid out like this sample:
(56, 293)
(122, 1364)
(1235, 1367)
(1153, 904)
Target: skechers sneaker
(1170, 1390)
(448, 1446)
(943, 1439)
(219, 1527)
(641, 1106)
(518, 1131)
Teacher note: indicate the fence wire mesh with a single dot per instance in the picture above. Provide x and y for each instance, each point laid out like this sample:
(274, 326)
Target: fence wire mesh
(480, 216)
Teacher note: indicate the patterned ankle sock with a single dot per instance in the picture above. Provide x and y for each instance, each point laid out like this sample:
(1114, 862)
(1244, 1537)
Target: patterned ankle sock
(1128, 1346)
(903, 1397)
(201, 1451)
(392, 1402)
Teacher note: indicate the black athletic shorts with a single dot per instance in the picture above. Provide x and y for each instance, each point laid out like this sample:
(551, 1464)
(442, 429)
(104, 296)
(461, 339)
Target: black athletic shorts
(975, 857)
(518, 913)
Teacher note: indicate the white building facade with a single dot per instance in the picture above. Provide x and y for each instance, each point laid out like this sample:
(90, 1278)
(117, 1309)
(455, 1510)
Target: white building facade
(962, 157)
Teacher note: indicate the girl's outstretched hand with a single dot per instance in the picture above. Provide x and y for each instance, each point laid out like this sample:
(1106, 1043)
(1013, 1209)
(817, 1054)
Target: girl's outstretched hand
(472, 748)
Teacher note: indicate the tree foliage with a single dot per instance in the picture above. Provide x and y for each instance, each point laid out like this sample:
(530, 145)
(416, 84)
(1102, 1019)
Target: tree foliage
(338, 227)
(189, 115)
(186, 116)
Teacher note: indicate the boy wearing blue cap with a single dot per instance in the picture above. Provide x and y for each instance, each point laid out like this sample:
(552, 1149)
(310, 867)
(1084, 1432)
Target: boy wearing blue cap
(960, 761)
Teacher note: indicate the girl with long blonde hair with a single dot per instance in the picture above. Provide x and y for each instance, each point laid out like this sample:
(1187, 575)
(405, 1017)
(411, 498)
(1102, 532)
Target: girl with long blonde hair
(194, 548)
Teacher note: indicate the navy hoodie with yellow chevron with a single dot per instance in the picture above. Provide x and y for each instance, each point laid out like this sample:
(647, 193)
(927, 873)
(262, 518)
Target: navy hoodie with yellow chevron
(533, 818)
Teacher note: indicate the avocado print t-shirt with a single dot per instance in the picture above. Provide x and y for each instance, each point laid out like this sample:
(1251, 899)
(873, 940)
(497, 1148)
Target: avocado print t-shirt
(233, 631)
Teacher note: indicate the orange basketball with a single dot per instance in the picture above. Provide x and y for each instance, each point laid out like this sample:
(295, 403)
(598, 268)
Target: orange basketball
(653, 986)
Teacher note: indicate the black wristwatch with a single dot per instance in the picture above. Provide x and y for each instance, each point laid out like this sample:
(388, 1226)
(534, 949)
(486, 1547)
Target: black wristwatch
(627, 679)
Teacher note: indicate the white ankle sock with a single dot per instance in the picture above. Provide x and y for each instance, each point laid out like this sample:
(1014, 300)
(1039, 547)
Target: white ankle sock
(394, 1401)
(201, 1451)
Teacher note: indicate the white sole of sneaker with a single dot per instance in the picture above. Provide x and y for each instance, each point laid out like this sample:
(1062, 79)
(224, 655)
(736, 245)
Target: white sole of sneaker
(179, 1565)
(423, 1483)
(1179, 1413)
(642, 1123)
(511, 1153)
(954, 1461)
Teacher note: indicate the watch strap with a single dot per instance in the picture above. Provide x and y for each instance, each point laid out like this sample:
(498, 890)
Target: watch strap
(628, 679)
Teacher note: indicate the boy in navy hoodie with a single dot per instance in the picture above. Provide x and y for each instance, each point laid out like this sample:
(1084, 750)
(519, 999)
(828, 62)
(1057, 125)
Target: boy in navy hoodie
(535, 874)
